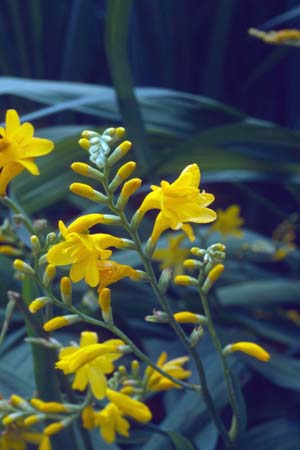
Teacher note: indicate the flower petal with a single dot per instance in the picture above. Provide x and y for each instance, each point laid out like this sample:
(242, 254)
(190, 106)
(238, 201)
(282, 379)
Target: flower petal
(12, 122)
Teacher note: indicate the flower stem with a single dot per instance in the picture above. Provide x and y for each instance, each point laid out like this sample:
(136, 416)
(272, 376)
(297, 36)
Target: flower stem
(226, 370)
(9, 203)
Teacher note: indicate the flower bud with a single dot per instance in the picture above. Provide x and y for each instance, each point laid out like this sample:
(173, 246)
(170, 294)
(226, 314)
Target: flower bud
(36, 245)
(87, 171)
(105, 305)
(119, 152)
(185, 280)
(189, 317)
(135, 367)
(86, 191)
(158, 317)
(33, 419)
(66, 290)
(54, 428)
(165, 279)
(196, 336)
(8, 420)
(124, 172)
(84, 143)
(128, 189)
(60, 322)
(50, 238)
(23, 267)
(38, 304)
(212, 277)
(49, 274)
(250, 348)
(192, 264)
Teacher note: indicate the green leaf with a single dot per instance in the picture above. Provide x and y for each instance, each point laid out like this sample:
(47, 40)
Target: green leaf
(254, 293)
(179, 441)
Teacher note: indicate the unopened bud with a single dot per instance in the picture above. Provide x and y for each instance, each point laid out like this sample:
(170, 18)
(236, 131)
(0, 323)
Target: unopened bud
(185, 280)
(50, 238)
(212, 277)
(49, 274)
(192, 264)
(165, 279)
(84, 143)
(60, 322)
(33, 419)
(87, 171)
(23, 267)
(11, 418)
(66, 290)
(135, 367)
(136, 219)
(250, 348)
(158, 317)
(119, 152)
(38, 304)
(86, 191)
(196, 336)
(124, 172)
(105, 305)
(189, 317)
(196, 251)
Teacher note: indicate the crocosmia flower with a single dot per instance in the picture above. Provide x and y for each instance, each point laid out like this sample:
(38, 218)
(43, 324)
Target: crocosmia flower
(179, 203)
(90, 362)
(18, 148)
(82, 250)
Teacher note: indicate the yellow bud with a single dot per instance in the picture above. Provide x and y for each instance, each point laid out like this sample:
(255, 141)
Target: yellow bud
(33, 419)
(16, 400)
(66, 290)
(84, 143)
(104, 301)
(49, 274)
(38, 304)
(54, 428)
(48, 407)
(81, 168)
(185, 280)
(9, 250)
(188, 317)
(212, 277)
(8, 420)
(126, 170)
(84, 190)
(60, 322)
(23, 267)
(35, 242)
(135, 367)
(128, 390)
(215, 273)
(192, 264)
(119, 152)
(130, 187)
(86, 170)
(250, 349)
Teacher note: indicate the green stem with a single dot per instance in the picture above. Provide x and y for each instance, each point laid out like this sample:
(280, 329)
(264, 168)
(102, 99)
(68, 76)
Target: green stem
(226, 370)
(9, 203)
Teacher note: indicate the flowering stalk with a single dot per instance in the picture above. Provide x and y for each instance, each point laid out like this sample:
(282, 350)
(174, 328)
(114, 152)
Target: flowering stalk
(146, 260)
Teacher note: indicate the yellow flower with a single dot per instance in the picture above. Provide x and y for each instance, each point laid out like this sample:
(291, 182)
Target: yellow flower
(18, 148)
(111, 418)
(82, 250)
(15, 437)
(280, 37)
(157, 382)
(179, 203)
(91, 361)
(228, 222)
(111, 421)
(173, 256)
(110, 272)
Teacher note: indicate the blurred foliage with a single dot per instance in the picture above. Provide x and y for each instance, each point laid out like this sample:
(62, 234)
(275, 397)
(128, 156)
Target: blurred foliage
(218, 98)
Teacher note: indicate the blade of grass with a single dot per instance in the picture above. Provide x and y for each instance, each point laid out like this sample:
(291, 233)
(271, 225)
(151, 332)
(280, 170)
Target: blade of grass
(116, 34)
